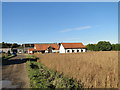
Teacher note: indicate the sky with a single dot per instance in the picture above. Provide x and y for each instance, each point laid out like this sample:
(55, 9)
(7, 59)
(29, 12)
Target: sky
(54, 22)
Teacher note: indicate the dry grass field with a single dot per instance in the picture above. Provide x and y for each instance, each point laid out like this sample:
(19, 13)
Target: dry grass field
(94, 69)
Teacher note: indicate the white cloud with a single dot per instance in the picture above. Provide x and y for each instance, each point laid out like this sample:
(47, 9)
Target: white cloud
(76, 29)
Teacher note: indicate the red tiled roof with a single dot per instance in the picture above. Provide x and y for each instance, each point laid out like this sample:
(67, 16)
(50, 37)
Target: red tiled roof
(73, 45)
(31, 49)
(45, 46)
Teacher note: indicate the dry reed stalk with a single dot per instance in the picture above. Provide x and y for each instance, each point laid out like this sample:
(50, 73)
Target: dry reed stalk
(94, 69)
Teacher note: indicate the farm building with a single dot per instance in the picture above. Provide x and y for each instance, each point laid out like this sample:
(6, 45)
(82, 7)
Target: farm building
(11, 50)
(5, 50)
(55, 48)
(72, 48)
(44, 48)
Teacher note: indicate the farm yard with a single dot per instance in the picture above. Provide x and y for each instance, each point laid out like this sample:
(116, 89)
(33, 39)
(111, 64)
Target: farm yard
(93, 69)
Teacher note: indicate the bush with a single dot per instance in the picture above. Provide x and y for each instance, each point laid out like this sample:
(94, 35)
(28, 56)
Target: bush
(42, 77)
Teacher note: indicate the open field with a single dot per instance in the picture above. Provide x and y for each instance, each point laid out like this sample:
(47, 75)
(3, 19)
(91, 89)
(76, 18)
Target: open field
(94, 69)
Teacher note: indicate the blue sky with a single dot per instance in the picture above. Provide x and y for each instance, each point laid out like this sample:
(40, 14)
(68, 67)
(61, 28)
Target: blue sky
(36, 22)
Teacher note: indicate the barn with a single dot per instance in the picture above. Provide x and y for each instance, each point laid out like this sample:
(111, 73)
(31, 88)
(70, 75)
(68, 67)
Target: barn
(72, 48)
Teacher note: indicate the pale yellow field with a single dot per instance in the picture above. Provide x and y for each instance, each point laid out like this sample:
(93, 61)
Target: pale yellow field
(94, 69)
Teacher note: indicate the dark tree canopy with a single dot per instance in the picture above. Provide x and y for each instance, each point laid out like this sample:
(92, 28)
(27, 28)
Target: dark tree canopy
(27, 45)
(15, 45)
(91, 47)
(9, 45)
(50, 49)
(103, 46)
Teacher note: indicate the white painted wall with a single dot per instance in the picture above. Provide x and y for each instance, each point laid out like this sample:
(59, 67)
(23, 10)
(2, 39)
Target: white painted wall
(55, 51)
(34, 47)
(75, 50)
(20, 50)
(46, 51)
(62, 49)
(70, 50)
(5, 50)
(30, 51)
(84, 50)
(66, 50)
(79, 50)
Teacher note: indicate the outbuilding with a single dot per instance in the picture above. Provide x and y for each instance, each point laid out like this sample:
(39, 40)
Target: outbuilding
(44, 48)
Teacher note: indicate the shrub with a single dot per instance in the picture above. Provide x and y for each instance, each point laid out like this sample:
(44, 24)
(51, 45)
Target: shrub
(42, 77)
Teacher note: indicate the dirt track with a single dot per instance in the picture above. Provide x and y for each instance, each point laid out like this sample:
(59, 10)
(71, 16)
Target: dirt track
(14, 73)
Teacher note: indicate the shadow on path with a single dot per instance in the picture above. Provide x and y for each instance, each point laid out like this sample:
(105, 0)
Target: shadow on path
(16, 61)
(14, 74)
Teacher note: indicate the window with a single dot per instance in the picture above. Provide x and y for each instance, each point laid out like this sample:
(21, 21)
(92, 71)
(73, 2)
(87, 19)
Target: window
(81, 50)
(77, 50)
(72, 50)
(68, 50)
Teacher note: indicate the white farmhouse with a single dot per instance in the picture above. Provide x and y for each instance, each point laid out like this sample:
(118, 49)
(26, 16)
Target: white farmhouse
(72, 48)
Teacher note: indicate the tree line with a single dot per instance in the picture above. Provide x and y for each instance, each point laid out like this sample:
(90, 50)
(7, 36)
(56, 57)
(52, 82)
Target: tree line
(100, 46)
(9, 45)
(103, 46)
(14, 45)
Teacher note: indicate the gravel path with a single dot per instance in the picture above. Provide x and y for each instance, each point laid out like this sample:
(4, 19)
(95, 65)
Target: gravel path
(14, 74)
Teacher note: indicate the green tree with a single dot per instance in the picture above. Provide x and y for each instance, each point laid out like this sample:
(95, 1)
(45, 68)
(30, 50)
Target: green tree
(9, 45)
(4, 45)
(116, 47)
(0, 45)
(15, 45)
(103, 46)
(113, 46)
(91, 47)
(50, 49)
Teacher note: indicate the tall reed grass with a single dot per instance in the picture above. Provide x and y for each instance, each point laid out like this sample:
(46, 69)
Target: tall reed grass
(94, 69)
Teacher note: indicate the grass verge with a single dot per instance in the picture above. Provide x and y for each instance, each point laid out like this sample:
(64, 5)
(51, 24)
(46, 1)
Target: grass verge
(31, 57)
(6, 56)
(42, 77)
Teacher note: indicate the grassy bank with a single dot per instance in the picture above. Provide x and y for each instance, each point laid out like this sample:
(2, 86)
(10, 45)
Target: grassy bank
(6, 56)
(30, 56)
(42, 77)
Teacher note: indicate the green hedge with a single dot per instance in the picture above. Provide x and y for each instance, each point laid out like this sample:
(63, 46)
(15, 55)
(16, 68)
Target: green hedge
(42, 77)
